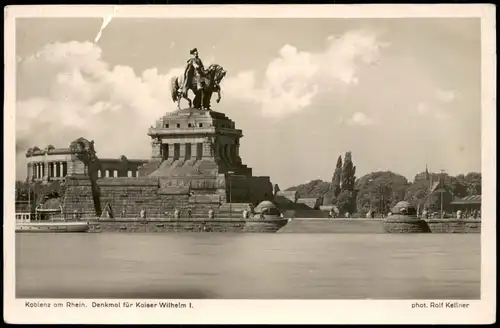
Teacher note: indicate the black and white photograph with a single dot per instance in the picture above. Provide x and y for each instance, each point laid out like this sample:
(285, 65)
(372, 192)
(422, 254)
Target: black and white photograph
(172, 155)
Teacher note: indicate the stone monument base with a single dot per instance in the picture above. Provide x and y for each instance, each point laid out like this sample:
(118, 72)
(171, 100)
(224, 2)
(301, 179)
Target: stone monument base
(405, 224)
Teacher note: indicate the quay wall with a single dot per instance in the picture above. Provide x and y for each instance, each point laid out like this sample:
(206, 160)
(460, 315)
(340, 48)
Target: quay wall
(454, 226)
(131, 225)
(320, 225)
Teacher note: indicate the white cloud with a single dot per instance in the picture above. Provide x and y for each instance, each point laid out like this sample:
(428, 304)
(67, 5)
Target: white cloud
(445, 96)
(437, 105)
(433, 110)
(422, 108)
(295, 77)
(361, 119)
(83, 95)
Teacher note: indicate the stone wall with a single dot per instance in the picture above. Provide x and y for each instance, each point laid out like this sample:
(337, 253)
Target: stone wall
(454, 226)
(248, 189)
(120, 167)
(78, 196)
(404, 224)
(185, 225)
(131, 195)
(323, 225)
(318, 225)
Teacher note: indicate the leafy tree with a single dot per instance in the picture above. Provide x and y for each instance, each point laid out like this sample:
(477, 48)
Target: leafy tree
(344, 202)
(347, 198)
(314, 188)
(334, 191)
(336, 179)
(21, 190)
(473, 183)
(380, 191)
(348, 175)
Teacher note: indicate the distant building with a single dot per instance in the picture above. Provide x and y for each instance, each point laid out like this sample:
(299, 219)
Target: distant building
(469, 203)
(52, 164)
(438, 193)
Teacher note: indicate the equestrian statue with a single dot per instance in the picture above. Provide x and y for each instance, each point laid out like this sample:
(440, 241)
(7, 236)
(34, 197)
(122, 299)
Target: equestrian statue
(202, 82)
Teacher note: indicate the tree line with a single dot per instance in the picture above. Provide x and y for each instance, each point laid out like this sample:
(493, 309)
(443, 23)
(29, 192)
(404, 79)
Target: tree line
(380, 191)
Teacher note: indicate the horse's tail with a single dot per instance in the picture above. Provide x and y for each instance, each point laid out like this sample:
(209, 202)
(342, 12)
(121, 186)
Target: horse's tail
(174, 87)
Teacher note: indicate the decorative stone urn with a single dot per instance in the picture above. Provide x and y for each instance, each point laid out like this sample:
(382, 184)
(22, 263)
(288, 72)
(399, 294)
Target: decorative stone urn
(404, 219)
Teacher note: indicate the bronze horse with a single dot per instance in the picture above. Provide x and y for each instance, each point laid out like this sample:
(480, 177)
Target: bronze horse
(210, 83)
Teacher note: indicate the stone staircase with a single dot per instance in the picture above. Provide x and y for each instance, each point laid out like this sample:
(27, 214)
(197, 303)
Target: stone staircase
(147, 169)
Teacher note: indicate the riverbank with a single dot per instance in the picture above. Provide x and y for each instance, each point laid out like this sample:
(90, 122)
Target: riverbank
(321, 225)
(187, 225)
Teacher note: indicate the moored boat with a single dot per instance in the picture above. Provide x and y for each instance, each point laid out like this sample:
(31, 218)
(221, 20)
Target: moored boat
(27, 222)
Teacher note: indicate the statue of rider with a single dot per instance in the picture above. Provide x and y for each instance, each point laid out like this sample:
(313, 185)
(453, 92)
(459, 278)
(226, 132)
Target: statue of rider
(196, 64)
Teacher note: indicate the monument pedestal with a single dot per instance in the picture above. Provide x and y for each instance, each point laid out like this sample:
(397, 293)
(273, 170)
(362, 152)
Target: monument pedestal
(196, 152)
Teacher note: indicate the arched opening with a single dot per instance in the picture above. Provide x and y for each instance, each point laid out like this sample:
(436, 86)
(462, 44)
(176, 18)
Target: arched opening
(99, 174)
(129, 173)
(107, 173)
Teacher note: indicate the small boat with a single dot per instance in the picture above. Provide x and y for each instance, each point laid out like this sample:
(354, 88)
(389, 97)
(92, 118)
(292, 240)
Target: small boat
(27, 222)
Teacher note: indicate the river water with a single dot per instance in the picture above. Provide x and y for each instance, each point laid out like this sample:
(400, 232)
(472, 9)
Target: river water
(244, 266)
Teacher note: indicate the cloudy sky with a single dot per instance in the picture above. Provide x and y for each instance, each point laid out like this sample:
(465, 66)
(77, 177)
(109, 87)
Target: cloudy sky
(398, 93)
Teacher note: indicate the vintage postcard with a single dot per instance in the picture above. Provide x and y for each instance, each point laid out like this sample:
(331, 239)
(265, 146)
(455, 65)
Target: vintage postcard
(250, 164)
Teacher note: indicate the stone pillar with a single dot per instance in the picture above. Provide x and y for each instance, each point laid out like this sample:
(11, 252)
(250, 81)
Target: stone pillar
(182, 152)
(237, 147)
(229, 153)
(194, 147)
(207, 149)
(156, 149)
(171, 150)
(45, 166)
(54, 169)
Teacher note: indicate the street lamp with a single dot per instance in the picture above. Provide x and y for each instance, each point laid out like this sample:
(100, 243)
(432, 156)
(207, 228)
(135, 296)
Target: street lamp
(230, 194)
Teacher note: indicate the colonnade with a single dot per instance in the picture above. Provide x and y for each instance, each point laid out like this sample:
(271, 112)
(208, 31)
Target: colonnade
(228, 152)
(54, 169)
